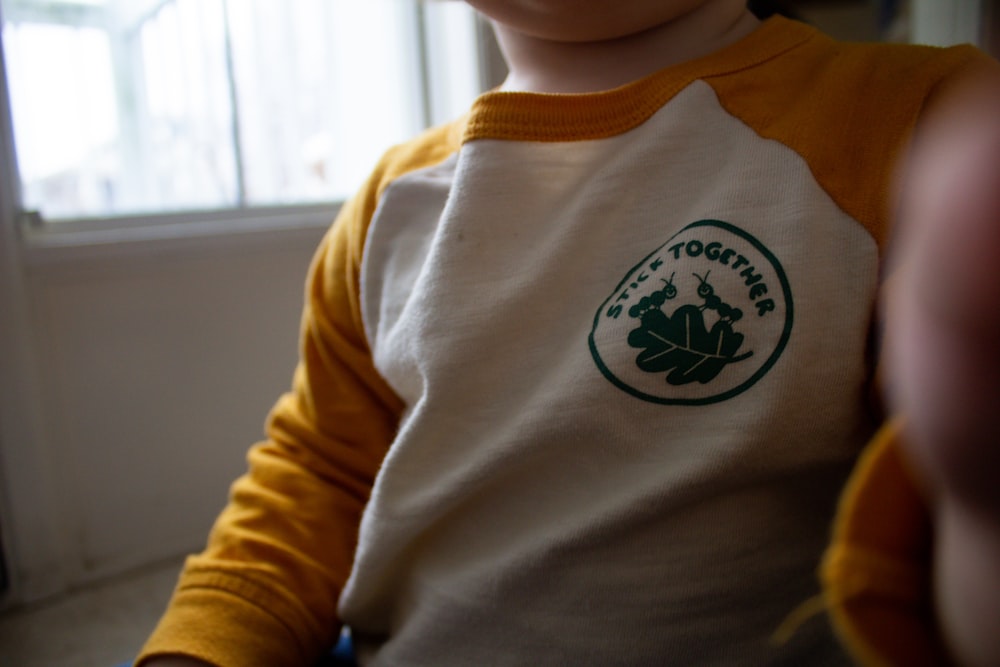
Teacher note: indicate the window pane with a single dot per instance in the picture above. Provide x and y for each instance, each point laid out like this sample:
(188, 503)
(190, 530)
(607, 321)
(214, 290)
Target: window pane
(118, 110)
(452, 52)
(132, 106)
(177, 137)
(64, 112)
(323, 88)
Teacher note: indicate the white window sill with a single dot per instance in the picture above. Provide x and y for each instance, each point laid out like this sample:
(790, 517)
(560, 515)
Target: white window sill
(44, 244)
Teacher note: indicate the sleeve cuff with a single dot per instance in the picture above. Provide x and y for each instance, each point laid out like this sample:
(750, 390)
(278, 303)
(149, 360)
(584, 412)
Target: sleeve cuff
(225, 629)
(876, 574)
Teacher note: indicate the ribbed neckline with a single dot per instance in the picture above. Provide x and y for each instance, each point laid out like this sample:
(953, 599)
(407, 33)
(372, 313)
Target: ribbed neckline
(522, 116)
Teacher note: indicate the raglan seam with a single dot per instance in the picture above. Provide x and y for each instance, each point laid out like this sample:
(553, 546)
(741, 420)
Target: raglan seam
(438, 155)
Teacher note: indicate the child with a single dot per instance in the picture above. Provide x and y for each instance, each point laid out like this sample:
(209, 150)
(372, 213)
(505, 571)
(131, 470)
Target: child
(583, 375)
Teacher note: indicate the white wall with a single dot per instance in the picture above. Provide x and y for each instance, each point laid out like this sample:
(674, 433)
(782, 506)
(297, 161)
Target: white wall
(149, 368)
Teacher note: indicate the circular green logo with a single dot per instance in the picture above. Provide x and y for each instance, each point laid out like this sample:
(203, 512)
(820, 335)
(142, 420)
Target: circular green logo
(699, 320)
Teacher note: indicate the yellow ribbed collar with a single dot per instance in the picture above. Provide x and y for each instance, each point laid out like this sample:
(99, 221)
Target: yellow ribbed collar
(574, 117)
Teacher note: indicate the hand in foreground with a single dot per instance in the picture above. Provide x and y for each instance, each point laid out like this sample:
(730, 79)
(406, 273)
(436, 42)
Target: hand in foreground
(943, 356)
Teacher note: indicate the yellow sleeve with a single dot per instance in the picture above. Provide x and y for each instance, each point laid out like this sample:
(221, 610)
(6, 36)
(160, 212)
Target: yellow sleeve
(876, 573)
(265, 590)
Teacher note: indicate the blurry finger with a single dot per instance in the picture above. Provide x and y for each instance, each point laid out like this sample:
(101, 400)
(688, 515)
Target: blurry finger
(943, 320)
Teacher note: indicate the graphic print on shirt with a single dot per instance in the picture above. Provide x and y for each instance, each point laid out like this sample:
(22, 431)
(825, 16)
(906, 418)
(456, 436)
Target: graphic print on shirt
(699, 320)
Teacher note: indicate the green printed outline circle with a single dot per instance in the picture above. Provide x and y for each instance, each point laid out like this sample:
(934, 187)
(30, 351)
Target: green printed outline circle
(749, 382)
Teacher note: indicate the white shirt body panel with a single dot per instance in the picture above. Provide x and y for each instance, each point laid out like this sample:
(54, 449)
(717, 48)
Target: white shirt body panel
(546, 493)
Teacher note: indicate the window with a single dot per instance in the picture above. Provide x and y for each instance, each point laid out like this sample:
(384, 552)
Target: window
(129, 107)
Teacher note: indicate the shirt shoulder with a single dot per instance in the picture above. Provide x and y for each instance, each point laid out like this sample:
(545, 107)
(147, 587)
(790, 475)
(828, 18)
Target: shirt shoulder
(849, 109)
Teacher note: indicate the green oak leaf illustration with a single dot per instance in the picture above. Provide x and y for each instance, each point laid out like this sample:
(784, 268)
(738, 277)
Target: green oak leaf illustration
(683, 347)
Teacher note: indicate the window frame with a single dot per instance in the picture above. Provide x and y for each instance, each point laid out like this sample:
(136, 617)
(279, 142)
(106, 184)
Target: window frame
(41, 240)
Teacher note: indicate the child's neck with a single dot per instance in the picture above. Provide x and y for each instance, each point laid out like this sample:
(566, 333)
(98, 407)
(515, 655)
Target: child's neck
(549, 66)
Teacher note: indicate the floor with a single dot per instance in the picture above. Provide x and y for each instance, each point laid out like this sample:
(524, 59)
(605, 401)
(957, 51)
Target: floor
(103, 626)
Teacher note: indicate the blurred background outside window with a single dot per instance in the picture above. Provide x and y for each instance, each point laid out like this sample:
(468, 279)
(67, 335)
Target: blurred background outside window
(134, 107)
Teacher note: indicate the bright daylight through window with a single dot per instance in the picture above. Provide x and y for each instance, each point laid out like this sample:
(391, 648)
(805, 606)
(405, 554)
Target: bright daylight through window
(124, 107)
